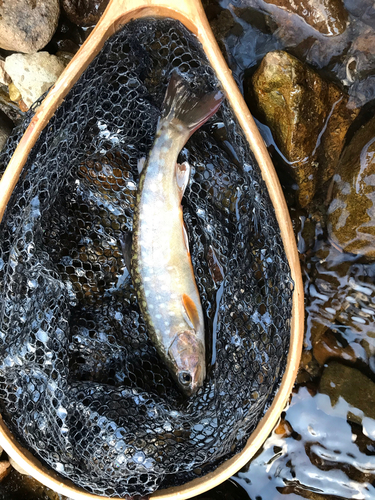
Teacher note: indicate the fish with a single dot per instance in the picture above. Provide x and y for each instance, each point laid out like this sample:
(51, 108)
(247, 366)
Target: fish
(160, 263)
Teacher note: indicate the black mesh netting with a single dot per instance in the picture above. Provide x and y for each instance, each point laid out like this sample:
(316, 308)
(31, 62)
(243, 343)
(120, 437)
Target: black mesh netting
(81, 385)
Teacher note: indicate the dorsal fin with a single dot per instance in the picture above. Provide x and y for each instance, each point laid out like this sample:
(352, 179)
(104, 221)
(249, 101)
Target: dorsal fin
(191, 310)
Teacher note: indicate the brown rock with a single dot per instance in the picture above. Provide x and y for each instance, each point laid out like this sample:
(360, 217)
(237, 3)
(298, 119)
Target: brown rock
(351, 223)
(352, 385)
(307, 116)
(27, 26)
(4, 469)
(329, 17)
(84, 12)
(283, 428)
(328, 347)
(18, 468)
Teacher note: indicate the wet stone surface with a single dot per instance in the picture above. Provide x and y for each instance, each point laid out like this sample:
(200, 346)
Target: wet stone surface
(84, 12)
(329, 17)
(351, 222)
(308, 118)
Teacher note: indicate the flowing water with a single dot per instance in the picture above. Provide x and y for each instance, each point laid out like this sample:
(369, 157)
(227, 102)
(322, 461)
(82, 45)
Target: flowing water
(320, 449)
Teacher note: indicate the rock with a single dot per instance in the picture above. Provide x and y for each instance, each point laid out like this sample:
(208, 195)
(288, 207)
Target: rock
(68, 37)
(64, 57)
(363, 9)
(84, 12)
(6, 126)
(27, 26)
(307, 116)
(9, 108)
(329, 17)
(18, 468)
(33, 74)
(4, 77)
(351, 215)
(328, 347)
(221, 26)
(283, 428)
(14, 93)
(5, 468)
(352, 385)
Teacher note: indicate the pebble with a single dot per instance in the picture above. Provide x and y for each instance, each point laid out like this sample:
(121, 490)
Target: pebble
(27, 26)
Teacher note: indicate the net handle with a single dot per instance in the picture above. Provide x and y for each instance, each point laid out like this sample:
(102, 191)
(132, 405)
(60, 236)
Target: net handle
(192, 15)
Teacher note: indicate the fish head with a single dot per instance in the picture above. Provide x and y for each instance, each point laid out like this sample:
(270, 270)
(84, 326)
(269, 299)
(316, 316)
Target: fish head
(187, 356)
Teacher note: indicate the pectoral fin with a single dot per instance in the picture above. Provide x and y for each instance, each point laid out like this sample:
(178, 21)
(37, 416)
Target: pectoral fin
(182, 176)
(191, 311)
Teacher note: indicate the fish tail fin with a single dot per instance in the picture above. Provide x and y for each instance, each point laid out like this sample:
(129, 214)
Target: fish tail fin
(182, 106)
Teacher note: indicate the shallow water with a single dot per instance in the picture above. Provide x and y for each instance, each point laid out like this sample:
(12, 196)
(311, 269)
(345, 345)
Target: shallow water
(318, 450)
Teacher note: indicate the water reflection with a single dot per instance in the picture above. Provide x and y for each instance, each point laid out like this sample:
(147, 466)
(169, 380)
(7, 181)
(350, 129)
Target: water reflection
(321, 454)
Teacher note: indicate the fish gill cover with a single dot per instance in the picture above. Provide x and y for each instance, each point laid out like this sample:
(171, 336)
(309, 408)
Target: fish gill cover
(81, 385)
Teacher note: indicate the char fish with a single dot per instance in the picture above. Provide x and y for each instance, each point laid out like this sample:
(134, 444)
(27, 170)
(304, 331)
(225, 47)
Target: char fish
(161, 267)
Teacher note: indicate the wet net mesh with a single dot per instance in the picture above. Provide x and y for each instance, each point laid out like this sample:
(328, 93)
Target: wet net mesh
(81, 385)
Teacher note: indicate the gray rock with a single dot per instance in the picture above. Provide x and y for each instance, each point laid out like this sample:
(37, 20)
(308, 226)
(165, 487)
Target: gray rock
(27, 26)
(33, 74)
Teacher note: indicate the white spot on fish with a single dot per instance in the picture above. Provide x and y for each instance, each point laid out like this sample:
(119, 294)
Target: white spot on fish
(146, 279)
(171, 313)
(158, 316)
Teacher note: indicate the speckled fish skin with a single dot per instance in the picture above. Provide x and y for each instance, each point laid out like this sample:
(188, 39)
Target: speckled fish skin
(161, 266)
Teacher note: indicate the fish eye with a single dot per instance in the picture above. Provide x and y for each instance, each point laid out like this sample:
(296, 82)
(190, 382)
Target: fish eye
(184, 378)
